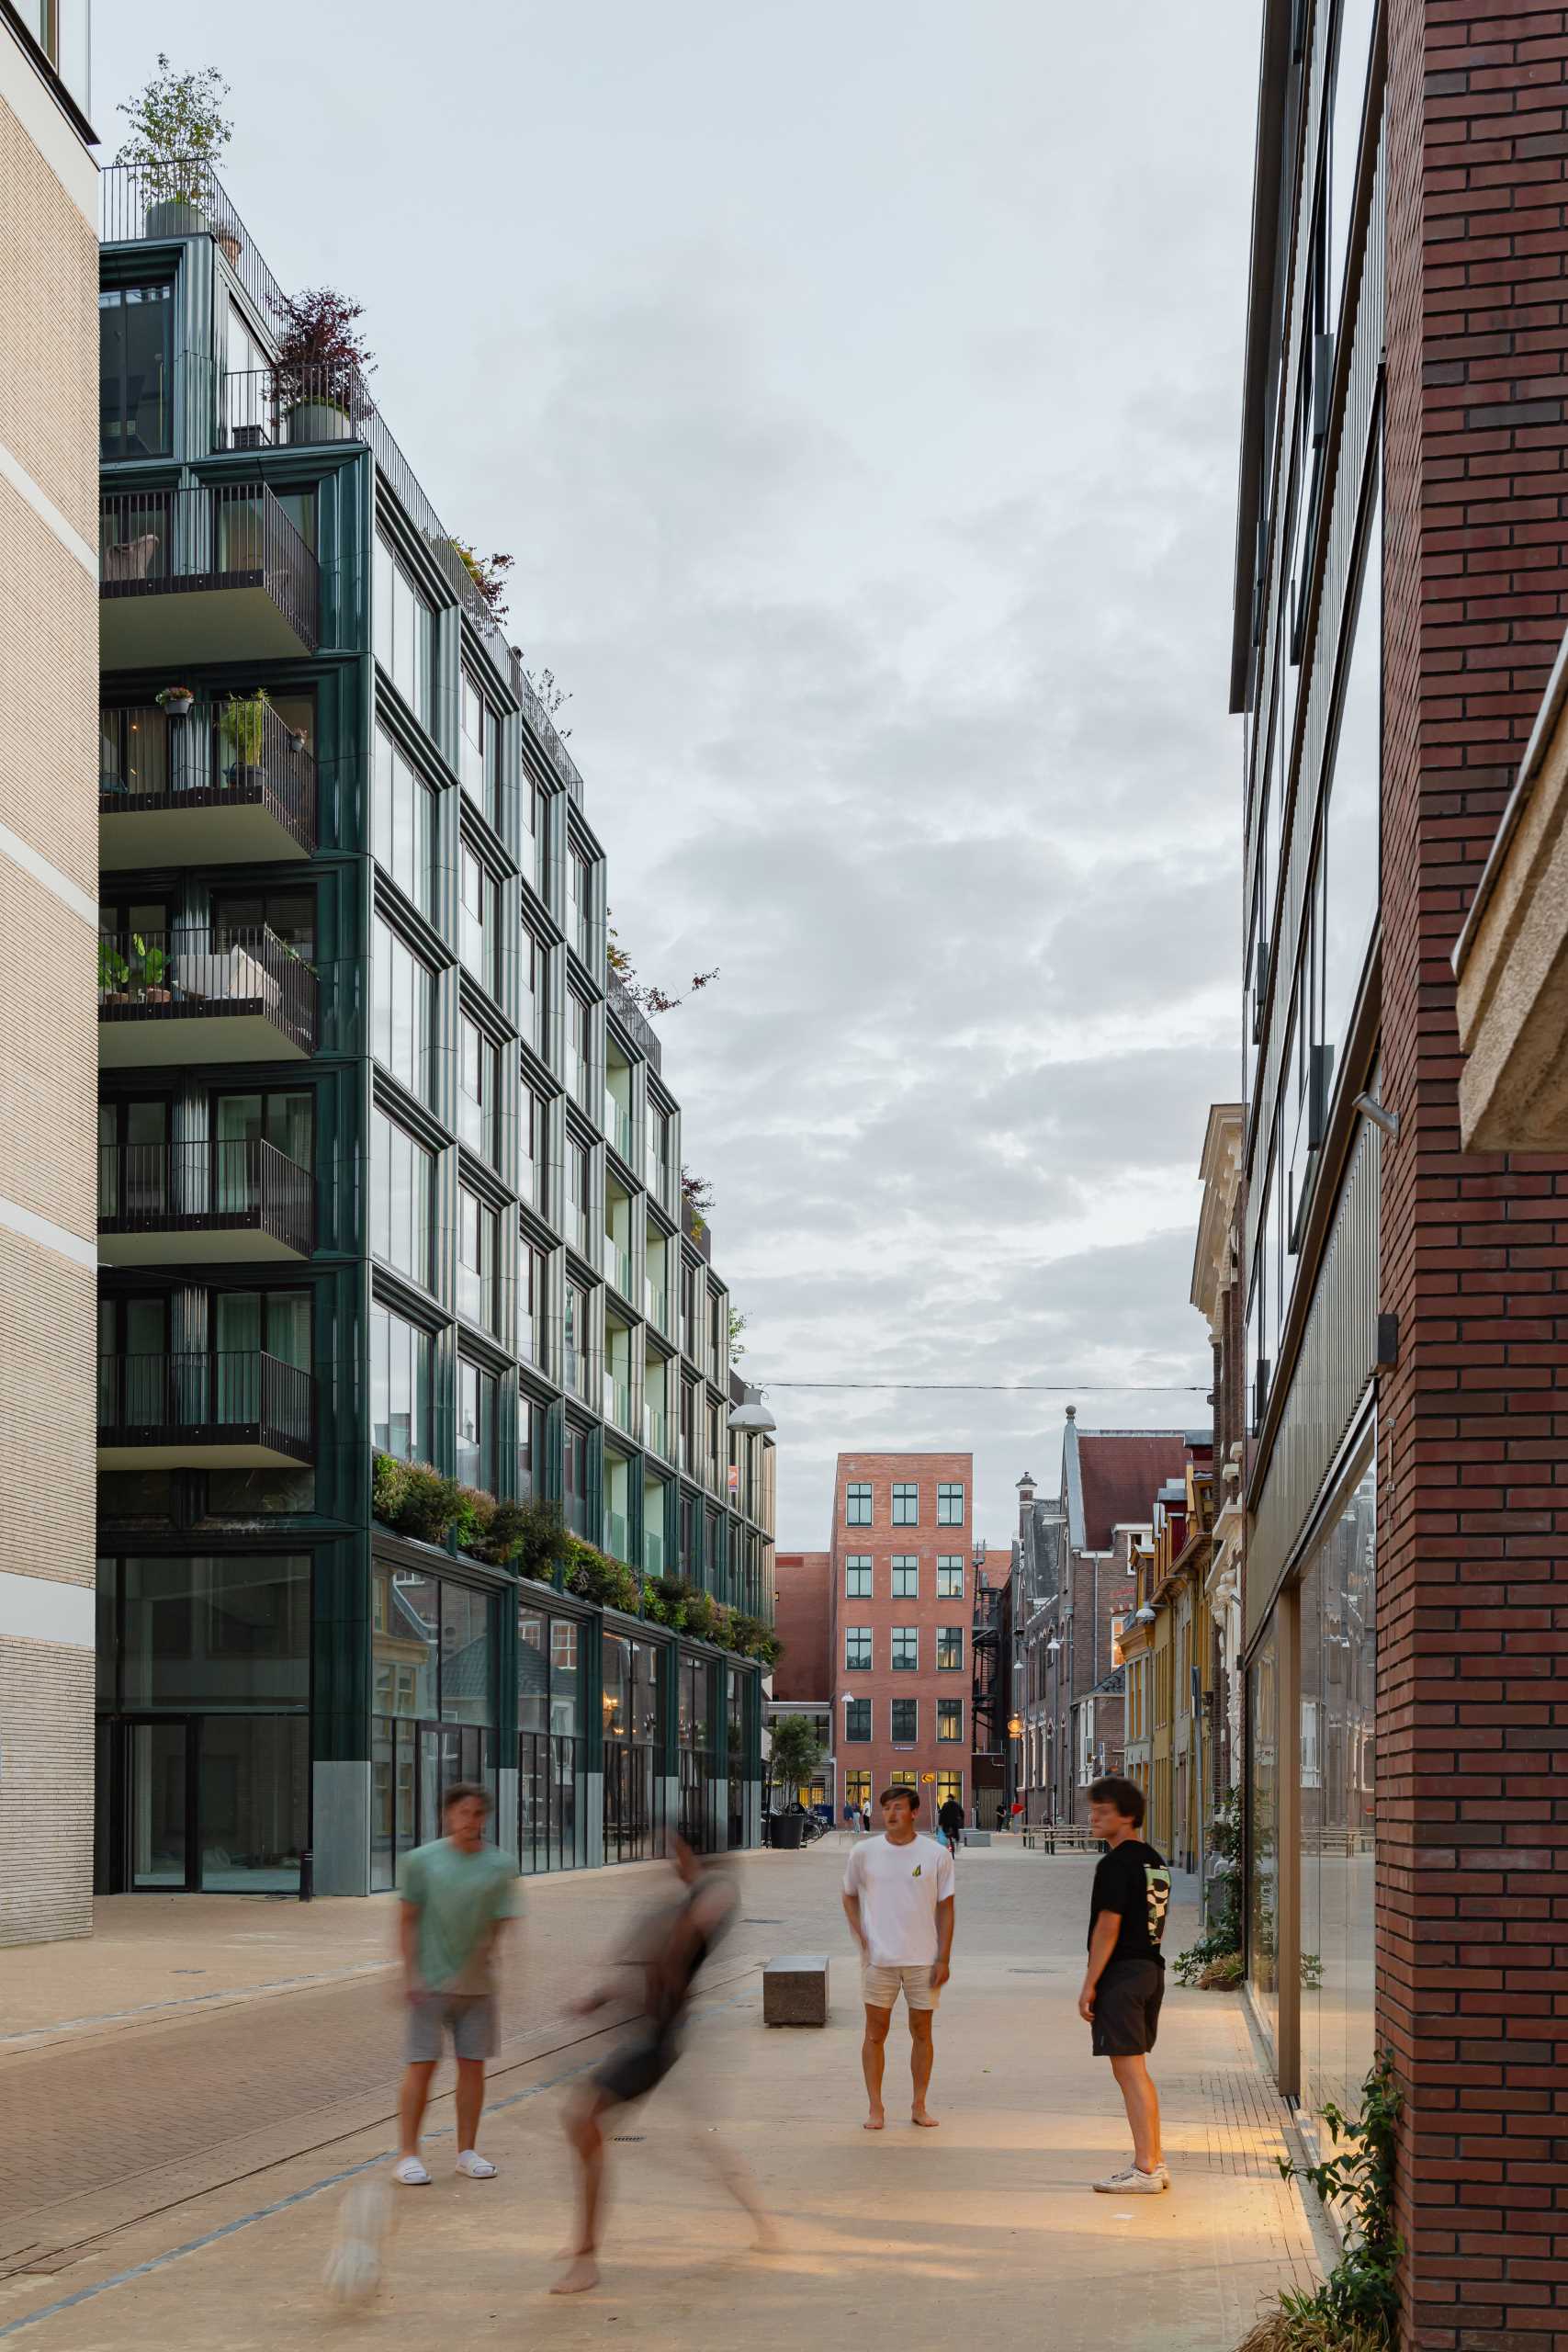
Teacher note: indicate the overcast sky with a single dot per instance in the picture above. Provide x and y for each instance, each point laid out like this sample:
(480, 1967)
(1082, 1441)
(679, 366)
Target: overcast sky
(856, 385)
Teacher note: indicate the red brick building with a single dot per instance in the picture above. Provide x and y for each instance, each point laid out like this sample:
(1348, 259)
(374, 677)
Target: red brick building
(802, 1682)
(1402, 589)
(901, 1600)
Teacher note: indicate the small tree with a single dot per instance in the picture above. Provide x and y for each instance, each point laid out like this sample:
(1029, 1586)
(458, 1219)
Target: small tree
(178, 131)
(738, 1325)
(795, 1753)
(488, 573)
(696, 1199)
(644, 994)
(321, 355)
(551, 696)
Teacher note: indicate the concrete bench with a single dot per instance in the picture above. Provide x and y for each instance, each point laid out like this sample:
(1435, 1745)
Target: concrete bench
(795, 1989)
(977, 1836)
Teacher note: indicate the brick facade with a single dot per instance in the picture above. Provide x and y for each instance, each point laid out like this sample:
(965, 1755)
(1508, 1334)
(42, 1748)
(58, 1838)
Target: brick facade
(1473, 1903)
(800, 1621)
(927, 1685)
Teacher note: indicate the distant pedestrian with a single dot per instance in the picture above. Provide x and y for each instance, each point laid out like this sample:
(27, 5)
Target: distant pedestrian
(669, 1949)
(866, 1817)
(898, 1899)
(852, 1817)
(459, 1892)
(1124, 1981)
(1002, 1816)
(950, 1816)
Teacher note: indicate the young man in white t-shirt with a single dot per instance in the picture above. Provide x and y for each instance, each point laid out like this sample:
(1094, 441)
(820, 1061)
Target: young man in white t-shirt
(899, 1902)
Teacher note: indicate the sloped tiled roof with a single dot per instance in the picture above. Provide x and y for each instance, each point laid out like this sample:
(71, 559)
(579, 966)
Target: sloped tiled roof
(1120, 1472)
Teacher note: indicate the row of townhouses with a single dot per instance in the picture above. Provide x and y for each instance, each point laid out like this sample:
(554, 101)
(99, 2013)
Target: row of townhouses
(332, 1151)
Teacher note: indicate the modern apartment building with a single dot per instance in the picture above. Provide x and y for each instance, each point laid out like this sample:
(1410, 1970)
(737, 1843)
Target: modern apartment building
(900, 1598)
(1071, 1586)
(48, 922)
(387, 1164)
(1400, 594)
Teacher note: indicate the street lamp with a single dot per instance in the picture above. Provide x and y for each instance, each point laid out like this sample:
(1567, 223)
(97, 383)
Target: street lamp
(751, 1413)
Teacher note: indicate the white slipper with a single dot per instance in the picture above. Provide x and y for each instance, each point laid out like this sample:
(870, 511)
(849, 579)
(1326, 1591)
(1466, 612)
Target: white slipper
(411, 2174)
(473, 2167)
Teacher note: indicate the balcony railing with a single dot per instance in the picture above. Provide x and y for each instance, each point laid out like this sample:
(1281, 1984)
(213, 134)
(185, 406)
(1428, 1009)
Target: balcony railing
(239, 754)
(215, 536)
(618, 1127)
(656, 1302)
(618, 1402)
(656, 1430)
(615, 1533)
(182, 197)
(632, 1019)
(243, 1187)
(207, 1398)
(654, 1551)
(172, 975)
(618, 1265)
(293, 407)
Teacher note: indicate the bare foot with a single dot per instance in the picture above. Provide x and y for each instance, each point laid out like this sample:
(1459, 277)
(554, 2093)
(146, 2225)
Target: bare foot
(583, 2274)
(925, 2122)
(875, 2121)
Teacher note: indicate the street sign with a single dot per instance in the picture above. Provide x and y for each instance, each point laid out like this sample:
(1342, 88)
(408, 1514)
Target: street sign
(926, 1777)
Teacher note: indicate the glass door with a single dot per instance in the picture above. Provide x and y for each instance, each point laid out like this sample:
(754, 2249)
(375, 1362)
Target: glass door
(160, 1786)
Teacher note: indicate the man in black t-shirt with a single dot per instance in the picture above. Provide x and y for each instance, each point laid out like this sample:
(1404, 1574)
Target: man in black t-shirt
(1124, 1982)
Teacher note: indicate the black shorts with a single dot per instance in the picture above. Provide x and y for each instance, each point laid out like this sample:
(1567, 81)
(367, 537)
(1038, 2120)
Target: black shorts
(1127, 2008)
(637, 2067)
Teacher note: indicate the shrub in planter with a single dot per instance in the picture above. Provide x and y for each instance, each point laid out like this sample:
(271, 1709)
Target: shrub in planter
(430, 1505)
(723, 1627)
(665, 1600)
(1223, 1975)
(702, 1616)
(754, 1637)
(389, 1488)
(475, 1518)
(528, 1536)
(594, 1577)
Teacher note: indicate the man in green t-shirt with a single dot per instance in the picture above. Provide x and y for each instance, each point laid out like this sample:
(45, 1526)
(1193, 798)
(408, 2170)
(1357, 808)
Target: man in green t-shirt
(458, 1892)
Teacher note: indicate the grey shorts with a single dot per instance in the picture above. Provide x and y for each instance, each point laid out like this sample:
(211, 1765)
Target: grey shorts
(469, 2017)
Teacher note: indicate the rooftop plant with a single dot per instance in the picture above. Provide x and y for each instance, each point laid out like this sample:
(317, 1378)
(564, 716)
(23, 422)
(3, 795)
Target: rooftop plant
(644, 994)
(551, 696)
(321, 355)
(178, 131)
(488, 573)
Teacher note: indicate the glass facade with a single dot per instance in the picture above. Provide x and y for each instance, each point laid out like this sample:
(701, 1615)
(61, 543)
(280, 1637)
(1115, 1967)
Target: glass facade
(1263, 1834)
(434, 1702)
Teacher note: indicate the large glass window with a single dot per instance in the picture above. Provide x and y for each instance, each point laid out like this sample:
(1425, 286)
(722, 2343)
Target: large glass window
(1347, 882)
(857, 1649)
(405, 1613)
(574, 1479)
(212, 1632)
(1338, 1614)
(479, 752)
(402, 1177)
(905, 1719)
(950, 1719)
(136, 373)
(478, 1088)
(404, 824)
(532, 1267)
(404, 632)
(580, 903)
(478, 920)
(857, 1577)
(532, 968)
(906, 1504)
(907, 1577)
(857, 1721)
(531, 1163)
(950, 1576)
(402, 1011)
(949, 1504)
(857, 1503)
(574, 1338)
(467, 1690)
(906, 1649)
(478, 1289)
(1263, 1833)
(400, 1386)
(476, 1426)
(950, 1649)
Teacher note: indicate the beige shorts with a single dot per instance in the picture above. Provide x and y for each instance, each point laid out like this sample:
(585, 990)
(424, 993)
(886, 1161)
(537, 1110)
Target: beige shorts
(880, 1987)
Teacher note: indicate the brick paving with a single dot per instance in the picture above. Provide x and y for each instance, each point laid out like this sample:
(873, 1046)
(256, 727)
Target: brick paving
(150, 2137)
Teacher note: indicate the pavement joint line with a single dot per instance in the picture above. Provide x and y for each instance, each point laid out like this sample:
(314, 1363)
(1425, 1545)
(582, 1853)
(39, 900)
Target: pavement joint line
(300, 2196)
(45, 2034)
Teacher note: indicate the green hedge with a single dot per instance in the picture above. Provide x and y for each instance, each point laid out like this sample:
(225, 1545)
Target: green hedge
(531, 1537)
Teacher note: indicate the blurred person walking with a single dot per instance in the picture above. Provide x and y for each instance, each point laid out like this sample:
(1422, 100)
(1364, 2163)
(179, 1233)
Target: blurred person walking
(898, 1900)
(457, 1893)
(670, 1950)
(950, 1818)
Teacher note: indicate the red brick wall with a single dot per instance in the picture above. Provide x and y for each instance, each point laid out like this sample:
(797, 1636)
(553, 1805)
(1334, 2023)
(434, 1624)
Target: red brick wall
(1472, 1909)
(800, 1621)
(882, 1542)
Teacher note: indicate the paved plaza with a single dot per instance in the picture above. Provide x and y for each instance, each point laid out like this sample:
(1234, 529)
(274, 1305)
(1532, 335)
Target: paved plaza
(188, 2095)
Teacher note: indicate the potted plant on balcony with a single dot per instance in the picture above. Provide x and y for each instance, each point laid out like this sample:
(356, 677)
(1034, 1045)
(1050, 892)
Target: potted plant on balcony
(242, 725)
(114, 974)
(174, 702)
(322, 361)
(149, 971)
(178, 132)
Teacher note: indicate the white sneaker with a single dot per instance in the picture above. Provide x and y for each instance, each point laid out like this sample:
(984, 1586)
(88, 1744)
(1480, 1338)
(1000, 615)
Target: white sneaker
(411, 2174)
(473, 2167)
(1134, 2183)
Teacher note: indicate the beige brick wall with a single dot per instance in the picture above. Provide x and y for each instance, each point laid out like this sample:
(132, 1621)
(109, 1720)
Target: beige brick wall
(46, 1791)
(49, 331)
(48, 675)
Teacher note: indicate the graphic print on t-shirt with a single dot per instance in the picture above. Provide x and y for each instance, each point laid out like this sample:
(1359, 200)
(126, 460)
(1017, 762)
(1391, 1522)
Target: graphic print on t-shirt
(1157, 1881)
